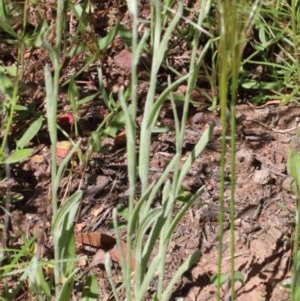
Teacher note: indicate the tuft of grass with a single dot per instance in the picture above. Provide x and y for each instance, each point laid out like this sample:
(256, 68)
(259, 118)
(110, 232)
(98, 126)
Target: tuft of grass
(241, 48)
(235, 18)
(160, 221)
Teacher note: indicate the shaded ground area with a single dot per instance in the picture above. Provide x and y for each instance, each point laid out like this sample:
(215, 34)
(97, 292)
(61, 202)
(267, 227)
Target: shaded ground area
(265, 206)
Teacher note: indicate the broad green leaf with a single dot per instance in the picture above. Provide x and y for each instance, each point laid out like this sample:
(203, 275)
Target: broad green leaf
(3, 10)
(18, 155)
(67, 287)
(6, 85)
(123, 211)
(37, 281)
(239, 276)
(115, 124)
(73, 92)
(260, 85)
(214, 279)
(182, 211)
(37, 38)
(293, 166)
(7, 28)
(262, 36)
(90, 290)
(77, 9)
(30, 133)
(199, 147)
(87, 98)
(75, 50)
(104, 42)
(180, 271)
(11, 70)
(64, 220)
(63, 238)
(125, 35)
(20, 108)
(161, 99)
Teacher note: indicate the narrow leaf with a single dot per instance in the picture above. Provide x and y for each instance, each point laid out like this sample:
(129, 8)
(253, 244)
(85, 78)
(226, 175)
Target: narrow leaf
(238, 276)
(90, 290)
(18, 155)
(30, 133)
(182, 269)
(201, 144)
(6, 85)
(63, 237)
(104, 42)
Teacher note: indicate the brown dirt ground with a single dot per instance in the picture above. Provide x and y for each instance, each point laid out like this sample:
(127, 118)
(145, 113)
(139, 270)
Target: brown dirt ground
(265, 205)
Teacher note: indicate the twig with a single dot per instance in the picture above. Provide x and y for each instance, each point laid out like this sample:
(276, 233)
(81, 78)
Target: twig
(274, 130)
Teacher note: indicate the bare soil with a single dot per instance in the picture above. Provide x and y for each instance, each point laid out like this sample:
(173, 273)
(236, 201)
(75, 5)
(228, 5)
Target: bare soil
(265, 205)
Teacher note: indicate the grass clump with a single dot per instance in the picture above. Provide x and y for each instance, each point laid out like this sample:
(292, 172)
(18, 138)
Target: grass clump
(241, 49)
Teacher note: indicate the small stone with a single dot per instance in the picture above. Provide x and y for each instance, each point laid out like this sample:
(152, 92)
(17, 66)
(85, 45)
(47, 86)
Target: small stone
(209, 187)
(123, 59)
(262, 177)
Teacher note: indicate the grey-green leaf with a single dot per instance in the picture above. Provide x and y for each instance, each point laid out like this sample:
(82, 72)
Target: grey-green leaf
(18, 155)
(90, 290)
(30, 133)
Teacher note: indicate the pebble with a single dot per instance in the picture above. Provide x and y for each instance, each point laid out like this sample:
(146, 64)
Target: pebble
(262, 177)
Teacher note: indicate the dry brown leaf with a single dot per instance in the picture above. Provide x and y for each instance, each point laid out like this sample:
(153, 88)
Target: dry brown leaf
(120, 139)
(104, 242)
(97, 240)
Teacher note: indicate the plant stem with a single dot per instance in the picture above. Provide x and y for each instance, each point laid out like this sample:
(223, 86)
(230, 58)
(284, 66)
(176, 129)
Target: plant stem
(223, 90)
(60, 9)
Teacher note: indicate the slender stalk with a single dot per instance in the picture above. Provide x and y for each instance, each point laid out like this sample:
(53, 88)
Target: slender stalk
(131, 149)
(232, 178)
(295, 270)
(4, 149)
(159, 51)
(234, 22)
(223, 91)
(15, 96)
(295, 32)
(55, 56)
(195, 63)
(145, 136)
(54, 95)
(235, 54)
(131, 142)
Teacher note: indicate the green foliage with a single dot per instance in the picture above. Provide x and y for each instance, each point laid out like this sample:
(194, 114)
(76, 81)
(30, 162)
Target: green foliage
(6, 86)
(234, 20)
(223, 278)
(104, 42)
(30, 133)
(161, 221)
(64, 241)
(270, 68)
(240, 47)
(293, 166)
(90, 290)
(25, 264)
(18, 155)
(115, 124)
